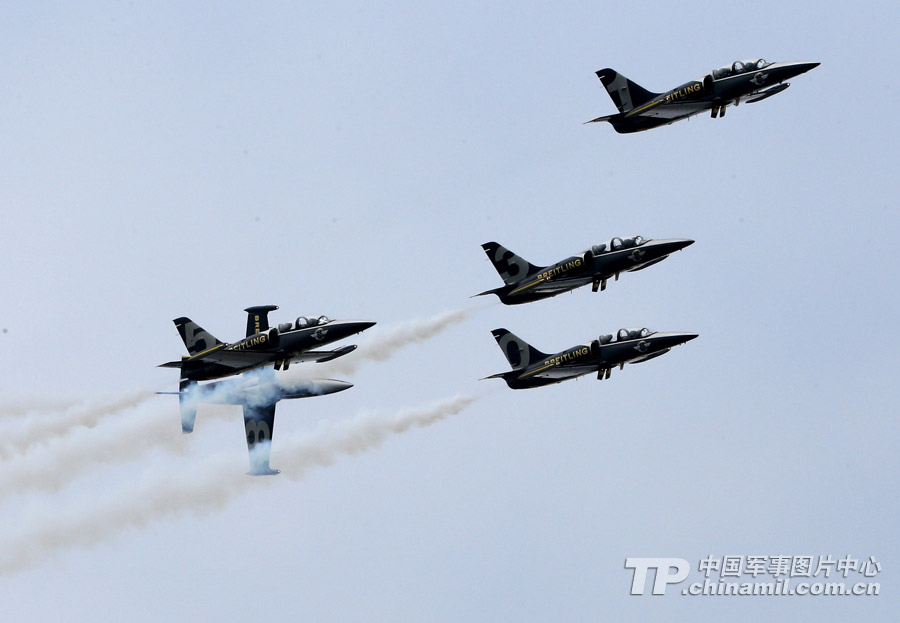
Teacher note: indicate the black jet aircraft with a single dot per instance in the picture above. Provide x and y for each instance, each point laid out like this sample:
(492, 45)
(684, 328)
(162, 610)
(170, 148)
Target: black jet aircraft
(742, 81)
(526, 283)
(210, 358)
(532, 368)
(257, 391)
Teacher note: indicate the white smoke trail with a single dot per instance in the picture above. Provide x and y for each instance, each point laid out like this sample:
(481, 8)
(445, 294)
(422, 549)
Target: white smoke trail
(48, 419)
(126, 436)
(27, 406)
(383, 345)
(206, 489)
(366, 431)
(122, 436)
(385, 342)
(18, 435)
(38, 405)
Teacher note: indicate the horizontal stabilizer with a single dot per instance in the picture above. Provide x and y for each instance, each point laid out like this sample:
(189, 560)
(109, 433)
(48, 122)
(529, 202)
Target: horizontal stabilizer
(486, 292)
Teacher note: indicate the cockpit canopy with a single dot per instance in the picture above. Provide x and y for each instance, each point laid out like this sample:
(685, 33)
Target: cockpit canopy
(304, 323)
(617, 244)
(740, 67)
(633, 334)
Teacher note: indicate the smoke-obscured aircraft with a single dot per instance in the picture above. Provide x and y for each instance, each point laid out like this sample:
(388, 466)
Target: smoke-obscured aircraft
(526, 282)
(262, 347)
(532, 368)
(257, 392)
(742, 81)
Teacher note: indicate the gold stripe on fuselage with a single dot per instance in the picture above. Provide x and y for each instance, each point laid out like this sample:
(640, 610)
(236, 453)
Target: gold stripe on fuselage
(643, 108)
(207, 351)
(530, 285)
(538, 370)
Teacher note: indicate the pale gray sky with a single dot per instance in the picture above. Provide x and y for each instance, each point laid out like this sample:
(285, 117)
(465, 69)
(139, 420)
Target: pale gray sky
(349, 160)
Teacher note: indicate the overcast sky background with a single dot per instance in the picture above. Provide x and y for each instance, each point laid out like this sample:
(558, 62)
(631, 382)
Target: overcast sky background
(345, 159)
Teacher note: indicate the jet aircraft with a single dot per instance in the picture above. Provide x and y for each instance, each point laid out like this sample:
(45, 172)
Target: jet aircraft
(210, 358)
(257, 391)
(532, 368)
(525, 282)
(743, 81)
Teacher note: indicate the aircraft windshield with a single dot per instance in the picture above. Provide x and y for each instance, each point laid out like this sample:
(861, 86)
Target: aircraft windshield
(633, 334)
(740, 67)
(617, 244)
(303, 322)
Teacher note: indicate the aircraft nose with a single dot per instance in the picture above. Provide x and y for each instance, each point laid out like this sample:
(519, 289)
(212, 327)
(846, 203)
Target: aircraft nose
(357, 326)
(671, 245)
(330, 386)
(676, 338)
(795, 69)
(305, 388)
(671, 339)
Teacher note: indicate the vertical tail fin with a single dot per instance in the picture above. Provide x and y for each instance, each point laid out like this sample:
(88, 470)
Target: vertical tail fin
(195, 338)
(187, 403)
(511, 267)
(518, 352)
(259, 422)
(625, 94)
(258, 318)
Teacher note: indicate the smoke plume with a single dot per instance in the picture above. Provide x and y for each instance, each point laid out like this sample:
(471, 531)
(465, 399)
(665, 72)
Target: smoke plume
(19, 434)
(128, 435)
(385, 342)
(205, 488)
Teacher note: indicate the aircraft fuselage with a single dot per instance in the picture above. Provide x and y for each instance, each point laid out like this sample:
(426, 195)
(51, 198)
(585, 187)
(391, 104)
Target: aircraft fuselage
(588, 267)
(641, 110)
(271, 347)
(594, 357)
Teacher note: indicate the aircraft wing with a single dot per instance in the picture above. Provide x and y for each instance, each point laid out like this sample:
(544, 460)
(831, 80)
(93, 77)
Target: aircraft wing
(547, 286)
(560, 373)
(677, 110)
(259, 422)
(237, 360)
(320, 356)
